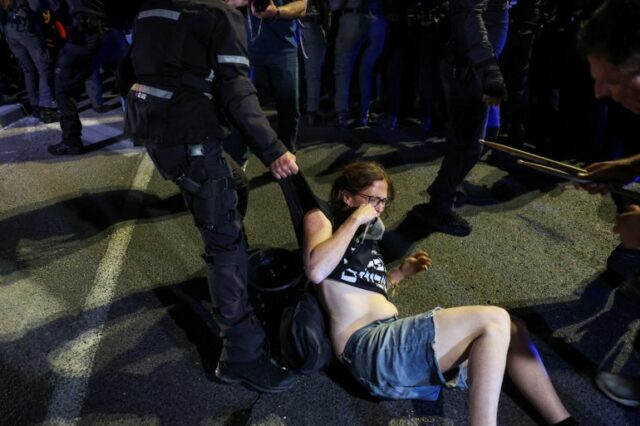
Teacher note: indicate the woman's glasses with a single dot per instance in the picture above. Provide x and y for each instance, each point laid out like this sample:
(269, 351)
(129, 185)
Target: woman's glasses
(375, 201)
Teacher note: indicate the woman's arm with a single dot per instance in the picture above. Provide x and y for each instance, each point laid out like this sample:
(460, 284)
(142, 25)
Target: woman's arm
(323, 248)
(418, 262)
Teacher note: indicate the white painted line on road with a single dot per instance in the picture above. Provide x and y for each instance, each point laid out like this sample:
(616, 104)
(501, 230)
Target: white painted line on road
(74, 360)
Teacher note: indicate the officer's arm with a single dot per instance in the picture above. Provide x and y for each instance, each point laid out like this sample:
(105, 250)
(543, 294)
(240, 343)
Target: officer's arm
(480, 50)
(475, 32)
(293, 10)
(235, 92)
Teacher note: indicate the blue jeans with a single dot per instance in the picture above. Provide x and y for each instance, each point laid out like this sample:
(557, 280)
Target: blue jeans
(278, 71)
(75, 64)
(314, 47)
(32, 54)
(394, 359)
(357, 31)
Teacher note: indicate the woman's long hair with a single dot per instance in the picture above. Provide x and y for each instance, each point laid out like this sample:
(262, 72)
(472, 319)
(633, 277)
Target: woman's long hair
(354, 178)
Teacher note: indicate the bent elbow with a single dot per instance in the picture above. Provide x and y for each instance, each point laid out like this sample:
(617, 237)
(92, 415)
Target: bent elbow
(314, 275)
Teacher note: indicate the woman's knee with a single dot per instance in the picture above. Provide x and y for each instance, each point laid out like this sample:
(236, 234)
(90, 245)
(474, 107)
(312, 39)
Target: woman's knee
(495, 320)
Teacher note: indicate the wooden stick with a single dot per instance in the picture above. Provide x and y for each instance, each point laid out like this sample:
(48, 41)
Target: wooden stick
(553, 171)
(529, 156)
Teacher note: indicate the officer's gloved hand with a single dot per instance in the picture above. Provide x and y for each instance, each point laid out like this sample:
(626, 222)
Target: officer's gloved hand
(493, 84)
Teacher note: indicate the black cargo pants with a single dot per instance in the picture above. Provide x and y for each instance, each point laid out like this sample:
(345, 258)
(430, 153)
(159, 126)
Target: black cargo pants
(205, 179)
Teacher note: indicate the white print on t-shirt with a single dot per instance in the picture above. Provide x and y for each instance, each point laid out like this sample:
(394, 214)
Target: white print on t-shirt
(375, 273)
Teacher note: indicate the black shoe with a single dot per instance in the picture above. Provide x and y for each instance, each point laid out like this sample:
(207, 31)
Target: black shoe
(63, 148)
(448, 222)
(35, 112)
(262, 375)
(100, 109)
(624, 261)
(624, 390)
(49, 115)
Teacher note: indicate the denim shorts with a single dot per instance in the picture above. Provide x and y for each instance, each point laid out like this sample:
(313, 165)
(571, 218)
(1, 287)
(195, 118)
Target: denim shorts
(394, 359)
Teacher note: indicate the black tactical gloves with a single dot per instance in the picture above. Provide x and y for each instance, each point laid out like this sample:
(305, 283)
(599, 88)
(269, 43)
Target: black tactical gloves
(493, 84)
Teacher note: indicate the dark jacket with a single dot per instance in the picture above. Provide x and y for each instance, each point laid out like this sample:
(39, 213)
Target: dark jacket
(475, 27)
(179, 46)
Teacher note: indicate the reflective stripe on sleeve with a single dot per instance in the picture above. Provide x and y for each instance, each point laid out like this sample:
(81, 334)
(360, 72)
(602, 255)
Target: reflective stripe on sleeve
(160, 13)
(231, 59)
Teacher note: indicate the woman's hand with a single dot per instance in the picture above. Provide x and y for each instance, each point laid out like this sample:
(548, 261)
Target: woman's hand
(417, 262)
(365, 213)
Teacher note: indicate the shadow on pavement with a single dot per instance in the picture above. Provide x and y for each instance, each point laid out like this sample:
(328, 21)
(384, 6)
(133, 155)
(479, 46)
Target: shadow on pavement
(35, 235)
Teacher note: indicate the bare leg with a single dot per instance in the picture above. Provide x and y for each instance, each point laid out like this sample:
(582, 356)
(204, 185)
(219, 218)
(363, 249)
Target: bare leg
(527, 372)
(481, 335)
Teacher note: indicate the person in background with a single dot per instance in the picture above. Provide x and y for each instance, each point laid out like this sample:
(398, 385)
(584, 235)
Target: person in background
(273, 54)
(92, 22)
(472, 82)
(314, 49)
(611, 41)
(361, 34)
(21, 32)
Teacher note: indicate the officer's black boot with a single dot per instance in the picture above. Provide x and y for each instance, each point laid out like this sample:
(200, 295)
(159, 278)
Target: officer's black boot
(262, 374)
(242, 360)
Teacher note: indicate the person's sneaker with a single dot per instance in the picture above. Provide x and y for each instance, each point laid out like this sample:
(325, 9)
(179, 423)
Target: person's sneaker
(448, 222)
(262, 375)
(624, 261)
(623, 390)
(63, 148)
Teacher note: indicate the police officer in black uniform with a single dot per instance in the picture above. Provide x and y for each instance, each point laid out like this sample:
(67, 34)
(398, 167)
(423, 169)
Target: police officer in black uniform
(90, 21)
(472, 81)
(190, 67)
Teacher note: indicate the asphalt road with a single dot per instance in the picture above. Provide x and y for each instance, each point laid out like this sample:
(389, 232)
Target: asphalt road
(103, 298)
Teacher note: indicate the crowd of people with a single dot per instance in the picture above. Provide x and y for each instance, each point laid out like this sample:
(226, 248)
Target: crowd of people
(197, 73)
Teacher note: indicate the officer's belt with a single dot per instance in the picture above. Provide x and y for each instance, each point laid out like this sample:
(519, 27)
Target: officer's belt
(153, 91)
(189, 80)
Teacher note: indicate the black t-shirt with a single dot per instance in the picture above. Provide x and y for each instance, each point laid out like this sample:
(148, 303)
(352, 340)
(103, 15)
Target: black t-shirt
(362, 265)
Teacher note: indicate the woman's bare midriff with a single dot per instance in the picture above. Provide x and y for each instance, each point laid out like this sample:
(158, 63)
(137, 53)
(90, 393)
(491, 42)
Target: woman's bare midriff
(351, 308)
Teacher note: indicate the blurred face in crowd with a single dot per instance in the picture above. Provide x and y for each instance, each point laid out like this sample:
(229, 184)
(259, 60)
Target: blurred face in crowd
(610, 81)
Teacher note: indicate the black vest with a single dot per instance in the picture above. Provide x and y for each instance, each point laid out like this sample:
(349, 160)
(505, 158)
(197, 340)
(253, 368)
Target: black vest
(171, 104)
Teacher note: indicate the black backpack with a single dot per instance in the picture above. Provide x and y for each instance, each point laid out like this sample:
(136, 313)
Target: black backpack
(304, 342)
